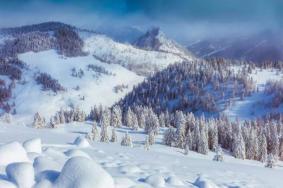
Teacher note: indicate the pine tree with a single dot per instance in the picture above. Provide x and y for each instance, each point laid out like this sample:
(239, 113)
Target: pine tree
(151, 138)
(238, 145)
(162, 120)
(114, 137)
(146, 144)
(151, 122)
(219, 154)
(38, 121)
(127, 140)
(180, 123)
(169, 137)
(203, 141)
(274, 140)
(187, 148)
(270, 163)
(212, 135)
(262, 152)
(105, 123)
(116, 117)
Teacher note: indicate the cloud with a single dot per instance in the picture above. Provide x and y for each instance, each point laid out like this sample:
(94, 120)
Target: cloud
(182, 19)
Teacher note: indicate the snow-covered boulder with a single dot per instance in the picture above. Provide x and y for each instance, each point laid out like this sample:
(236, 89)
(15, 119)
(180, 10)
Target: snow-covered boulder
(81, 142)
(83, 173)
(174, 180)
(156, 180)
(76, 153)
(33, 145)
(43, 163)
(21, 174)
(7, 184)
(203, 182)
(11, 153)
(123, 183)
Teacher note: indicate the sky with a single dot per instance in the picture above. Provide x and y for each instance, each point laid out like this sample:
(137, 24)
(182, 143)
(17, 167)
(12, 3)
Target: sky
(194, 18)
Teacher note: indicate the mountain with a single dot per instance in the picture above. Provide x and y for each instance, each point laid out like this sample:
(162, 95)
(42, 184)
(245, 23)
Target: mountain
(49, 66)
(261, 47)
(156, 40)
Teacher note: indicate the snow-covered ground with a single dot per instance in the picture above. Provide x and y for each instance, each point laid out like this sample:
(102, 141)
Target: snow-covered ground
(255, 105)
(161, 166)
(94, 88)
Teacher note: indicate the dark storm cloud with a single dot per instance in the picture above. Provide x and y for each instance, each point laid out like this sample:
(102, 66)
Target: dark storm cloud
(193, 18)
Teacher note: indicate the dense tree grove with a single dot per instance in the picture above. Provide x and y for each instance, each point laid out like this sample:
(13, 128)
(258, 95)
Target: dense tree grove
(49, 83)
(275, 90)
(196, 87)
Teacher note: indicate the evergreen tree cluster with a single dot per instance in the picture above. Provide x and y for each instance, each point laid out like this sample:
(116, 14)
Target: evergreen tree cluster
(48, 83)
(197, 87)
(248, 140)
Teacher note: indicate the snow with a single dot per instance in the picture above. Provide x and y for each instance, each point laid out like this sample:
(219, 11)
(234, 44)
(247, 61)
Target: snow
(156, 180)
(11, 153)
(105, 48)
(22, 174)
(81, 142)
(255, 105)
(202, 182)
(84, 173)
(131, 167)
(33, 145)
(93, 86)
(6, 184)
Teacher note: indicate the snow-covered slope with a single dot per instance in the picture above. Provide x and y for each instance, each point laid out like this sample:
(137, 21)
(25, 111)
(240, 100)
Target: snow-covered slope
(156, 40)
(161, 166)
(258, 104)
(92, 88)
(138, 60)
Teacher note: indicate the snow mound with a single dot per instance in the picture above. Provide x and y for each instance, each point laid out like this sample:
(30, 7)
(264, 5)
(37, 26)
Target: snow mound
(155, 180)
(43, 184)
(6, 184)
(76, 153)
(33, 145)
(84, 173)
(11, 153)
(129, 169)
(202, 182)
(22, 174)
(42, 163)
(50, 175)
(174, 180)
(123, 183)
(81, 142)
(141, 185)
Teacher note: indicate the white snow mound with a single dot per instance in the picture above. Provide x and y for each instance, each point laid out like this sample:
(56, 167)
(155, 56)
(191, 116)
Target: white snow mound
(76, 153)
(155, 180)
(80, 172)
(11, 153)
(123, 183)
(43, 163)
(202, 182)
(6, 184)
(81, 142)
(174, 180)
(22, 174)
(33, 145)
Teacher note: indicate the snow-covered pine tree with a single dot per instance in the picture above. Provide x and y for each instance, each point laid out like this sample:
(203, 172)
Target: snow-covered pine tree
(135, 122)
(262, 150)
(270, 162)
(273, 140)
(219, 154)
(114, 137)
(238, 145)
(203, 141)
(38, 121)
(146, 144)
(151, 138)
(129, 118)
(151, 122)
(180, 123)
(212, 135)
(105, 123)
(127, 140)
(162, 120)
(116, 117)
(169, 137)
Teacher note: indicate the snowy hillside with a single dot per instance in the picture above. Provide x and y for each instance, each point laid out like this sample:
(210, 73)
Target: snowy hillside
(127, 167)
(138, 60)
(93, 87)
